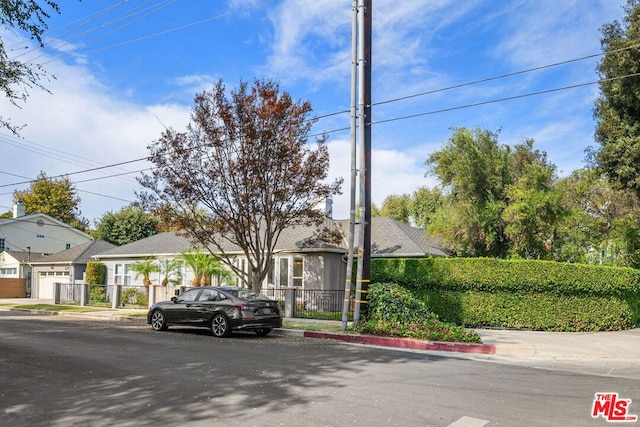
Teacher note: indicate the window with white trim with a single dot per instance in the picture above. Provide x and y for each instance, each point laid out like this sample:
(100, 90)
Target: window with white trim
(3, 244)
(122, 275)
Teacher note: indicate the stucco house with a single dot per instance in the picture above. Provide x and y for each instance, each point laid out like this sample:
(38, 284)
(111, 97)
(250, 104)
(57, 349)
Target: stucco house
(299, 260)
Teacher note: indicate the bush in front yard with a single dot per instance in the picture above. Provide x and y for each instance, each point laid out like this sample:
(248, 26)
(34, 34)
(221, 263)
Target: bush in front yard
(394, 311)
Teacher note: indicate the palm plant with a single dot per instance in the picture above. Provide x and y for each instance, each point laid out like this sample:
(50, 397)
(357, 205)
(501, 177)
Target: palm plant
(144, 268)
(171, 271)
(205, 266)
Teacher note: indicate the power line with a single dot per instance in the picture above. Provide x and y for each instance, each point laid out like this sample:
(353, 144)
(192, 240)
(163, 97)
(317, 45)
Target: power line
(85, 171)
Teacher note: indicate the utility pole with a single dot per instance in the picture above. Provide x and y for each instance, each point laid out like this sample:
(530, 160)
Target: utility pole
(364, 21)
(354, 169)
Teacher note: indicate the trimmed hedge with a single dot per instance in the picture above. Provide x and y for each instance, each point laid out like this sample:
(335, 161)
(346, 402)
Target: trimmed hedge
(522, 294)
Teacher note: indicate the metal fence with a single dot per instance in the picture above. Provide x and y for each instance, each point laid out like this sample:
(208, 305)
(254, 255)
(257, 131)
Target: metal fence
(303, 303)
(312, 303)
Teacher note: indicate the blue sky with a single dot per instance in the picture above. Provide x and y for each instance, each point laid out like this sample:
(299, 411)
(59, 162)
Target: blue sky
(125, 69)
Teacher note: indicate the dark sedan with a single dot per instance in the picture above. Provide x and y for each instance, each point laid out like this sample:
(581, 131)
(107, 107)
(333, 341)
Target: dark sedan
(221, 309)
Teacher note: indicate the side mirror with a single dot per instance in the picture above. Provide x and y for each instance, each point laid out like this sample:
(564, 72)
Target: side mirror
(174, 299)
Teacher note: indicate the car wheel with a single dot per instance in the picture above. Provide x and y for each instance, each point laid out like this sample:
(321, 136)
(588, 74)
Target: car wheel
(263, 331)
(220, 326)
(158, 321)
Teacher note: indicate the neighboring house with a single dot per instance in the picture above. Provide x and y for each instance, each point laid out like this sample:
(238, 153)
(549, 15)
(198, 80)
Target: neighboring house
(38, 233)
(299, 260)
(63, 267)
(28, 238)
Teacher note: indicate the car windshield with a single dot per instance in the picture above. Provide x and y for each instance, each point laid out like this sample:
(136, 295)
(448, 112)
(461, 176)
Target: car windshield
(245, 294)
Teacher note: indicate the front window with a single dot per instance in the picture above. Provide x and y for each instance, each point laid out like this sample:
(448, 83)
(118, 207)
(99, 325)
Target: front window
(8, 272)
(284, 272)
(298, 271)
(122, 275)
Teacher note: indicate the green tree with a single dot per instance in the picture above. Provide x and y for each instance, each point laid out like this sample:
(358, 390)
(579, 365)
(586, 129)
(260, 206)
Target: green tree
(617, 109)
(497, 200)
(57, 198)
(535, 209)
(397, 207)
(127, 225)
(242, 173)
(425, 203)
(16, 76)
(475, 172)
(603, 222)
(145, 267)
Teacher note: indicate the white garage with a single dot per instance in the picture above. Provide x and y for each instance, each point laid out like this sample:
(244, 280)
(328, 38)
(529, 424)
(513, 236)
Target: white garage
(46, 280)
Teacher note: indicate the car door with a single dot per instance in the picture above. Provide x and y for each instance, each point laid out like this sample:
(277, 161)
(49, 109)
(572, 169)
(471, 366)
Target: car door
(206, 305)
(184, 308)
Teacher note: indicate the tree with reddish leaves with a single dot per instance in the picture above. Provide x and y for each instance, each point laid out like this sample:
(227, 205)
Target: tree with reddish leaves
(243, 172)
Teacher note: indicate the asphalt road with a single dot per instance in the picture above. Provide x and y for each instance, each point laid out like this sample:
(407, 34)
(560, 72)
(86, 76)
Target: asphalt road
(61, 371)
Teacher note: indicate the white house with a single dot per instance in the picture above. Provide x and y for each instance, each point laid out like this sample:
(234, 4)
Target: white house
(38, 233)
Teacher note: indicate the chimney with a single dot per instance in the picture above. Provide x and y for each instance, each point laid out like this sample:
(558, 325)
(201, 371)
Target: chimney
(18, 209)
(328, 211)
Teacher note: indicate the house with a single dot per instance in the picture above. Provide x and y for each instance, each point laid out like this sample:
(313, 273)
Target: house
(299, 260)
(63, 267)
(27, 238)
(38, 233)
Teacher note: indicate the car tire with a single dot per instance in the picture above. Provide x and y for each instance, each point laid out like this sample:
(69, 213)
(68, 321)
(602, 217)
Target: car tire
(158, 321)
(263, 332)
(220, 326)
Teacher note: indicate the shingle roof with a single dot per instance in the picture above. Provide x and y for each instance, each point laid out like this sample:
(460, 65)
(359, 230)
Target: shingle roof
(80, 254)
(388, 238)
(24, 256)
(169, 243)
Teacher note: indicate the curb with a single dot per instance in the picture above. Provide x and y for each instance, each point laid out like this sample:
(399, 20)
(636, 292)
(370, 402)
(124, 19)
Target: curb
(405, 343)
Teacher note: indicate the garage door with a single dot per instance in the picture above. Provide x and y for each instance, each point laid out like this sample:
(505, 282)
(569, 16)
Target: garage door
(46, 280)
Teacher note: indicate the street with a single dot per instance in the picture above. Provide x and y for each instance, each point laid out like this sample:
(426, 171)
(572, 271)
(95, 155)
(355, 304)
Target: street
(62, 371)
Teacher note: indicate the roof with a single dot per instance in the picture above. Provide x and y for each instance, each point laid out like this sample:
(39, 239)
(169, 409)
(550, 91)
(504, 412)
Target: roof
(80, 254)
(392, 238)
(389, 238)
(33, 218)
(25, 256)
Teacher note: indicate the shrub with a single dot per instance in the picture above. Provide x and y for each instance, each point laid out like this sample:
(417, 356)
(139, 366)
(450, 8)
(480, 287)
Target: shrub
(396, 311)
(97, 293)
(134, 297)
(95, 273)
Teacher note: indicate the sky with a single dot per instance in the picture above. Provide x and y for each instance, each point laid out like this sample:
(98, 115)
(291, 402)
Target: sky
(119, 72)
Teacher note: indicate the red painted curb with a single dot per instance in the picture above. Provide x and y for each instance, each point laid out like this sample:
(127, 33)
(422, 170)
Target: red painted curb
(406, 343)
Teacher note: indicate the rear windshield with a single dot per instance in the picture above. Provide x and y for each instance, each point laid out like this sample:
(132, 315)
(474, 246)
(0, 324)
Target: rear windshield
(245, 294)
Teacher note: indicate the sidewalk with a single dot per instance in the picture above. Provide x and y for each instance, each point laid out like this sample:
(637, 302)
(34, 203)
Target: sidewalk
(602, 353)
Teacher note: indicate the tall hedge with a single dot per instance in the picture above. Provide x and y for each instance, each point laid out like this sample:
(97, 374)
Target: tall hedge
(541, 295)
(95, 273)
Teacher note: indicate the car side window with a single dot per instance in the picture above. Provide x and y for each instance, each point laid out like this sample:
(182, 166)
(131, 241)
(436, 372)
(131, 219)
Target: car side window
(189, 295)
(208, 295)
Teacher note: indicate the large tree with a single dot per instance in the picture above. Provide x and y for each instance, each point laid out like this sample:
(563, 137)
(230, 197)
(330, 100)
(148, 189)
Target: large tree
(242, 172)
(17, 76)
(617, 109)
(56, 197)
(125, 226)
(498, 200)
